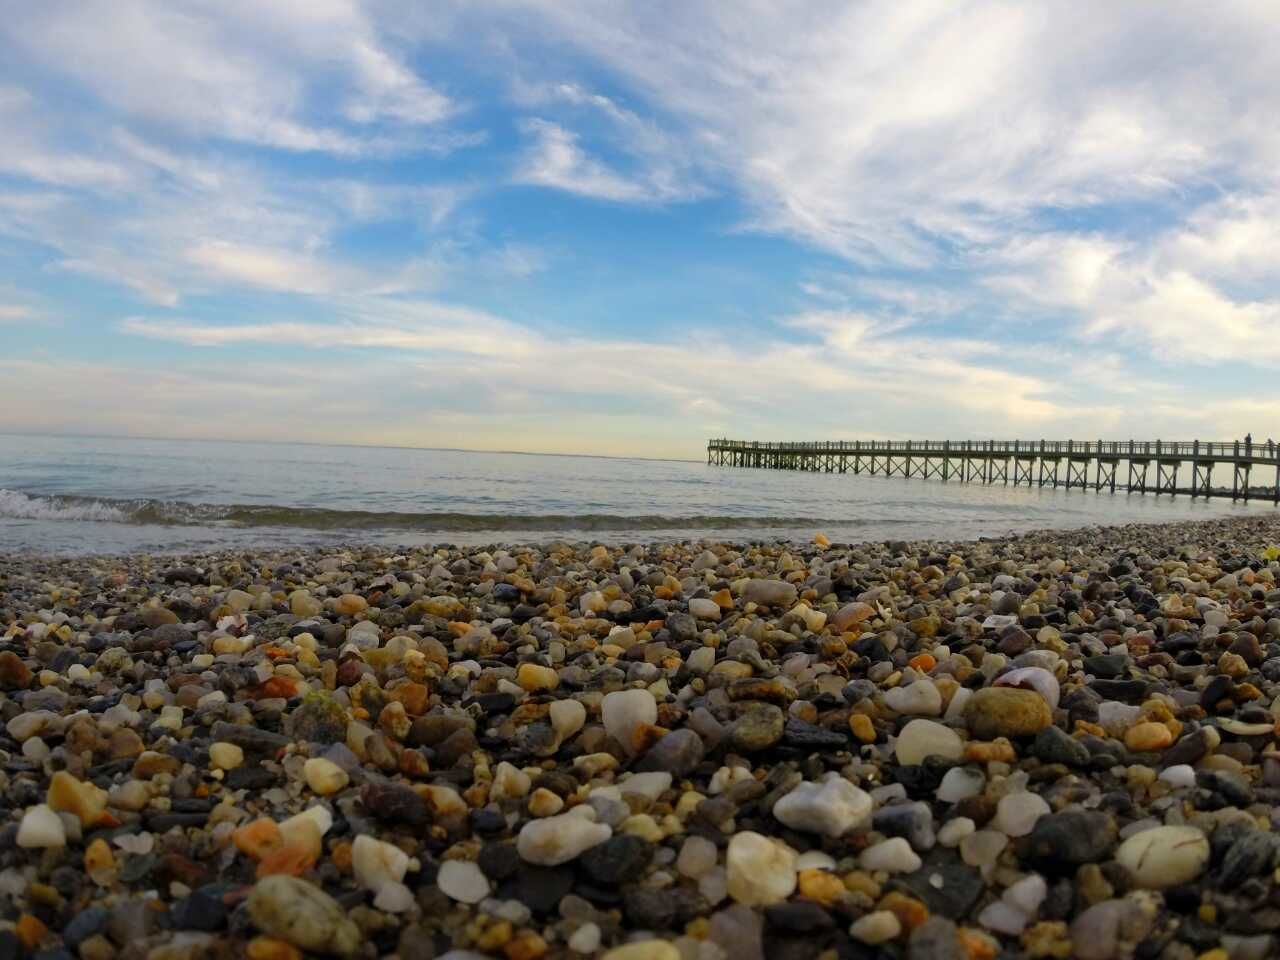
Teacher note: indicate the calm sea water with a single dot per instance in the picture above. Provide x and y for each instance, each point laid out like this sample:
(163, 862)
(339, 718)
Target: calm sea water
(66, 495)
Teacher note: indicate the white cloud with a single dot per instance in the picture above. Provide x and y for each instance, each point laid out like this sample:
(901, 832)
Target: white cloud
(554, 159)
(237, 70)
(905, 133)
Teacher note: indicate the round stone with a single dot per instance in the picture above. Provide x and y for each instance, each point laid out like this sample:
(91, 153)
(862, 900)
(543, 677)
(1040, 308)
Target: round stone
(927, 738)
(1006, 712)
(463, 881)
(1165, 856)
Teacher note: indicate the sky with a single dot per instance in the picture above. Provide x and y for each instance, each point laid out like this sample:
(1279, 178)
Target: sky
(624, 228)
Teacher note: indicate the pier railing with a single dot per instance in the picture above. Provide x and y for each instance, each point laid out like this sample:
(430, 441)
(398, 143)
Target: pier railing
(1257, 451)
(1090, 464)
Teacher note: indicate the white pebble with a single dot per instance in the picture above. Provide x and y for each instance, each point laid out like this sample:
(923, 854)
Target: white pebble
(41, 827)
(649, 785)
(1165, 856)
(394, 898)
(1003, 918)
(463, 881)
(552, 841)
(961, 783)
(697, 856)
(376, 863)
(625, 711)
(567, 718)
(831, 809)
(955, 830)
(892, 856)
(920, 699)
(760, 871)
(1180, 775)
(1017, 813)
(586, 939)
(1027, 894)
(877, 927)
(923, 738)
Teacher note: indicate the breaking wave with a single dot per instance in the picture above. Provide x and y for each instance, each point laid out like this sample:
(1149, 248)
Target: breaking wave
(177, 513)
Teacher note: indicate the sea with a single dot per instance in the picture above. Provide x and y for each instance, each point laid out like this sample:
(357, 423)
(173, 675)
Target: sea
(68, 495)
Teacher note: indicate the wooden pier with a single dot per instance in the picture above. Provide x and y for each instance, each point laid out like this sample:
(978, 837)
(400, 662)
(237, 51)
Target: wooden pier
(1153, 466)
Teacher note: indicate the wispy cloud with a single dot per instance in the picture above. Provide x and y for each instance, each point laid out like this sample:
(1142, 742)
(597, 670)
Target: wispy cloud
(555, 159)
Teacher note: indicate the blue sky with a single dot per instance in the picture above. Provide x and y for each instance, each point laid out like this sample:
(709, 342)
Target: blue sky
(623, 228)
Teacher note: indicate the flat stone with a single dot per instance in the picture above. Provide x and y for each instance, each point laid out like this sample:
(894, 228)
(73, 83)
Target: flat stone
(1062, 841)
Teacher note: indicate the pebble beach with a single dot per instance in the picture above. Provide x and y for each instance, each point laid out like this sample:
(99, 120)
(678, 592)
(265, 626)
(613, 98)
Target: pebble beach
(1057, 745)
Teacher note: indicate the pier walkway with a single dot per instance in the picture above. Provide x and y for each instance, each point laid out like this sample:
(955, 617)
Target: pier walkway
(1153, 466)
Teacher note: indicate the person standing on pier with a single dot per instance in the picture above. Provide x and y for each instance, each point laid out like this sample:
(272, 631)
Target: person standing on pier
(1248, 444)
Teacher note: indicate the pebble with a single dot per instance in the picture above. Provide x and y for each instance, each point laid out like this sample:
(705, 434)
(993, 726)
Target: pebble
(41, 827)
(376, 863)
(1006, 712)
(773, 593)
(1164, 856)
(831, 809)
(644, 950)
(1017, 813)
(879, 926)
(555, 840)
(725, 750)
(920, 699)
(225, 756)
(324, 776)
(760, 871)
(960, 783)
(625, 712)
(303, 915)
(463, 881)
(927, 738)
(892, 856)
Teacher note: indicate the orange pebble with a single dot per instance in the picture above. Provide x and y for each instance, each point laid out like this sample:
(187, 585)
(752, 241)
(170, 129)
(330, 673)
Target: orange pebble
(341, 856)
(977, 945)
(258, 838)
(924, 662)
(293, 859)
(269, 948)
(31, 931)
(98, 857)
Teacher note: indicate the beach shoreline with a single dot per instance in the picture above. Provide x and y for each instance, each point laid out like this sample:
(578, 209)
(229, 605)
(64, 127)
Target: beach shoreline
(665, 750)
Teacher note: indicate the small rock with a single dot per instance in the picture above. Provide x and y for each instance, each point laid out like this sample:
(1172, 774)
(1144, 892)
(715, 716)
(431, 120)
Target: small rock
(759, 727)
(927, 738)
(876, 927)
(892, 856)
(1006, 712)
(1017, 813)
(1164, 856)
(303, 915)
(761, 871)
(770, 593)
(627, 711)
(324, 776)
(556, 840)
(41, 827)
(463, 881)
(831, 809)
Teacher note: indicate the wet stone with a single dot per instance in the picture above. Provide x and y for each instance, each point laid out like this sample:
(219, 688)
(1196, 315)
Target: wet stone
(618, 860)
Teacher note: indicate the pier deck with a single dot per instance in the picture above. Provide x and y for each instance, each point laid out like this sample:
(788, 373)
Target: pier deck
(1083, 464)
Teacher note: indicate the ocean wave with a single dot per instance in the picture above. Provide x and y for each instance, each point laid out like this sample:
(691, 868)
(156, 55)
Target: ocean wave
(20, 506)
(177, 513)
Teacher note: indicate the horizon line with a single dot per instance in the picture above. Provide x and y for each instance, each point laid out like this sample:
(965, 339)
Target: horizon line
(361, 446)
